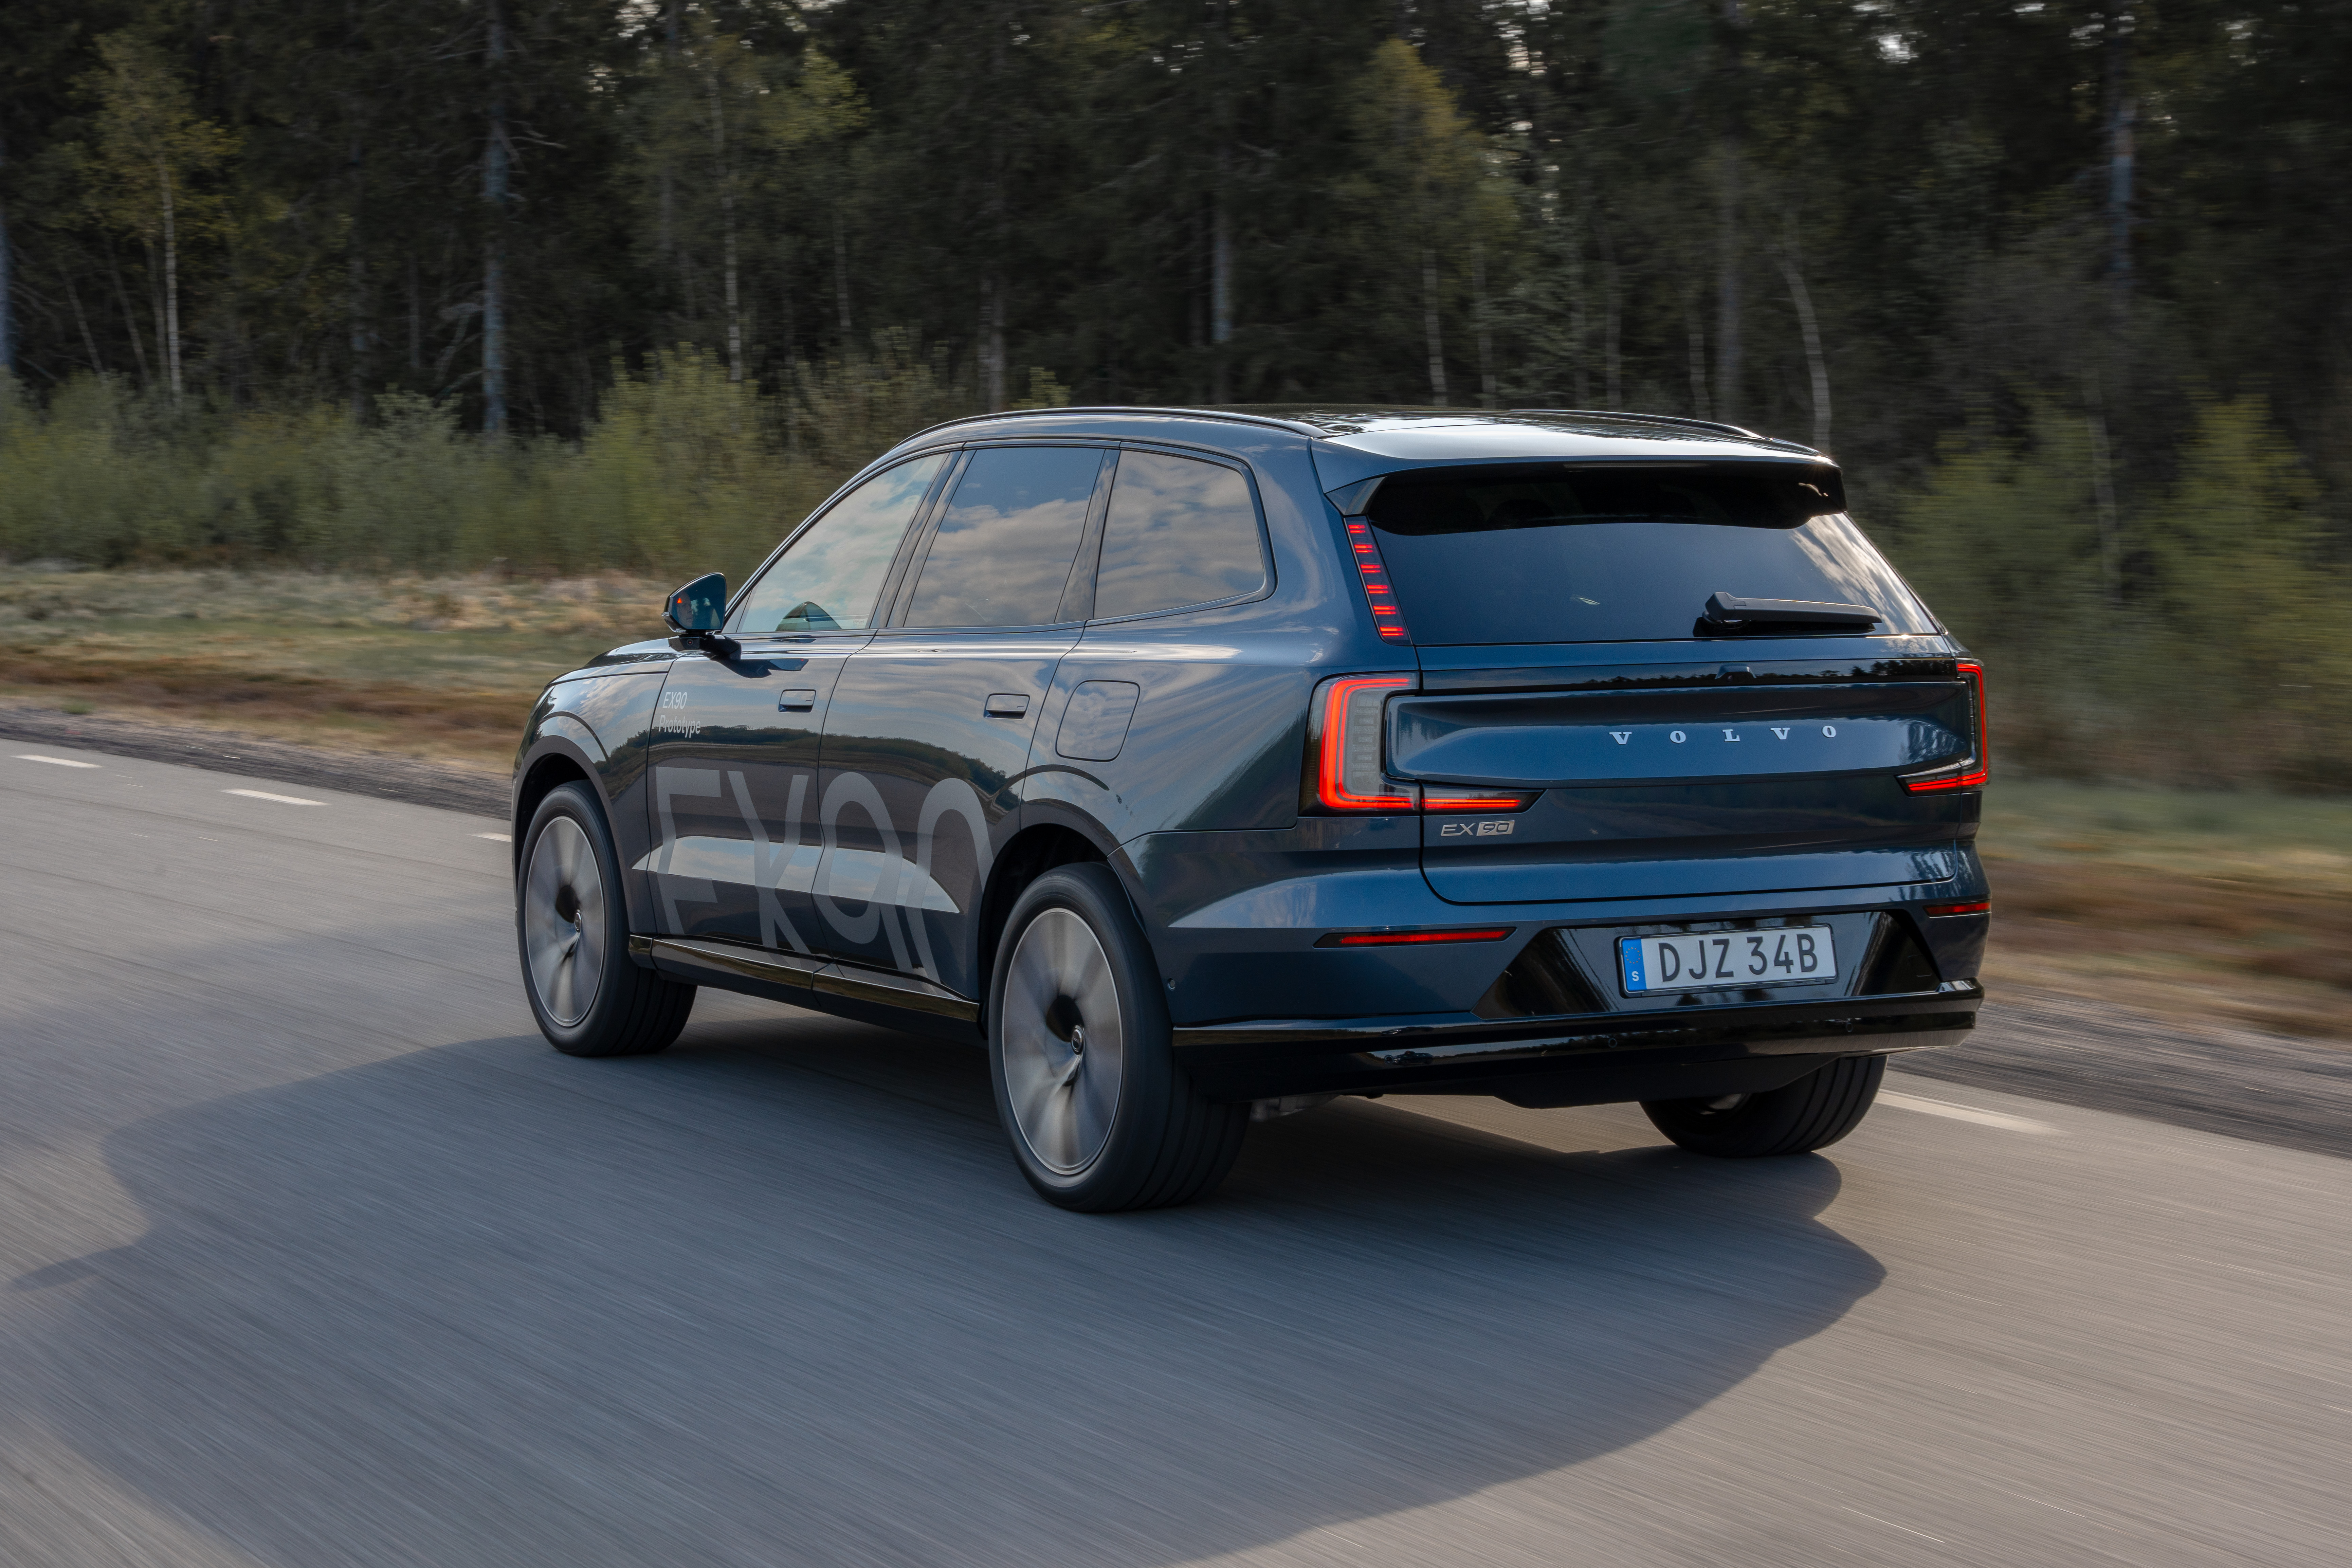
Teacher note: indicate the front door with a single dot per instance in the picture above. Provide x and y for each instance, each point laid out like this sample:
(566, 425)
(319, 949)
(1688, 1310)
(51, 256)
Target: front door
(930, 728)
(736, 740)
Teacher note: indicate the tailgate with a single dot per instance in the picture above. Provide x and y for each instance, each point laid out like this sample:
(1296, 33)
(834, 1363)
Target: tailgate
(1747, 788)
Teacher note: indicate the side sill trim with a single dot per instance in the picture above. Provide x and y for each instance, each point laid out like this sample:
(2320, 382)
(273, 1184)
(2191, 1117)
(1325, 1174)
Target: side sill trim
(834, 979)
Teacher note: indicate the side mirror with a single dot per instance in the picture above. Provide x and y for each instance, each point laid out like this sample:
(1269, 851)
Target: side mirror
(696, 612)
(700, 607)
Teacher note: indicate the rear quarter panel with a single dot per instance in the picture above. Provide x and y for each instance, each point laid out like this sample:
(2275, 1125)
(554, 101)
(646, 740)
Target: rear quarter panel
(1219, 727)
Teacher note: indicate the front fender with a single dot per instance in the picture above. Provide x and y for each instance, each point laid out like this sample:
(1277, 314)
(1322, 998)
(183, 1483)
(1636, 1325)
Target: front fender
(599, 726)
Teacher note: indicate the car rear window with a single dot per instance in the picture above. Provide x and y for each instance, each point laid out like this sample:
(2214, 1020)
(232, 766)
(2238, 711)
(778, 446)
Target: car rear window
(1558, 554)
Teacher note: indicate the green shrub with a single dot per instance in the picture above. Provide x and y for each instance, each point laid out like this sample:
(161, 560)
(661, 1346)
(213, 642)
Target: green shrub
(682, 471)
(2202, 643)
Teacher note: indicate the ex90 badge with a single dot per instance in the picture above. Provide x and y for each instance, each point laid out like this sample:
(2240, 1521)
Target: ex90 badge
(1476, 829)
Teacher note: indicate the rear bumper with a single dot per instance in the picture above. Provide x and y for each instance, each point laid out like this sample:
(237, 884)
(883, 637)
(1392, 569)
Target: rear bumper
(1589, 1059)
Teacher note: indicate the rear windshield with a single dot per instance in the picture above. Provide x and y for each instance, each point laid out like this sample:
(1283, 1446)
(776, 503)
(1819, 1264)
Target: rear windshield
(1554, 553)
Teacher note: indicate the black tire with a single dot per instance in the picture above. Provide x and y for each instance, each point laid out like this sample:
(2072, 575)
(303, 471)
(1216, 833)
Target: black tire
(569, 882)
(1812, 1113)
(1111, 1122)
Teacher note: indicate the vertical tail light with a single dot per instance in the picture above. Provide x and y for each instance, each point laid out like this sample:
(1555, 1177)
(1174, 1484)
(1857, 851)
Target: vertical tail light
(1348, 719)
(1972, 773)
(1379, 592)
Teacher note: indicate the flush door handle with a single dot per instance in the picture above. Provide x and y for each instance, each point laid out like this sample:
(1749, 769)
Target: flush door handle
(798, 699)
(1006, 705)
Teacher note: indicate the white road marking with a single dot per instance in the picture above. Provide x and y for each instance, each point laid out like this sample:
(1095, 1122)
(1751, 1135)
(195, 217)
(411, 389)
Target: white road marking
(1890, 1523)
(280, 799)
(497, 837)
(1963, 1112)
(53, 761)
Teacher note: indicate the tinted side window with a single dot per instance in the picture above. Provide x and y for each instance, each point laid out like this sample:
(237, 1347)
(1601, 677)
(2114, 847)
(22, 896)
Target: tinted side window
(830, 578)
(1001, 554)
(1180, 532)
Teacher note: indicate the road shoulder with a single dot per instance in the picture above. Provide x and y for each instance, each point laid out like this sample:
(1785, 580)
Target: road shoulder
(385, 776)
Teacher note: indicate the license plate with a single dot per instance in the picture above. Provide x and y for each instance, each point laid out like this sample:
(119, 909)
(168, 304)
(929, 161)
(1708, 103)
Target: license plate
(1712, 960)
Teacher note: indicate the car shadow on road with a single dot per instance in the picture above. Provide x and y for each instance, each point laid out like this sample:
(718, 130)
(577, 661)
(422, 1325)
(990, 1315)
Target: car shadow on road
(780, 1296)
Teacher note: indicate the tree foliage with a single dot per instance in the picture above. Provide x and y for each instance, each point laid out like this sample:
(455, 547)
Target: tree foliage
(2062, 282)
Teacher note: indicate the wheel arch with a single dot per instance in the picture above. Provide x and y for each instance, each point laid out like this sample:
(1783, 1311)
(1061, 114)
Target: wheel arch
(1028, 855)
(556, 762)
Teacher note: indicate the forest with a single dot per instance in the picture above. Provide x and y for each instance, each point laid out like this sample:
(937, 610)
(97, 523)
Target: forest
(556, 286)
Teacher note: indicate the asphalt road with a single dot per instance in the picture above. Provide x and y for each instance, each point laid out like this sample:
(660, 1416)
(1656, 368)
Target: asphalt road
(312, 1254)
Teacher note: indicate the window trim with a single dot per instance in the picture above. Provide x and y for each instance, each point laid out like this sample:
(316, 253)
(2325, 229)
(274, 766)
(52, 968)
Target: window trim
(857, 482)
(1257, 506)
(915, 548)
(1089, 537)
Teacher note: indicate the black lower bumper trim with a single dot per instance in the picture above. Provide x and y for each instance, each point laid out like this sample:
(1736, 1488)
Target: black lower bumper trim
(1538, 1062)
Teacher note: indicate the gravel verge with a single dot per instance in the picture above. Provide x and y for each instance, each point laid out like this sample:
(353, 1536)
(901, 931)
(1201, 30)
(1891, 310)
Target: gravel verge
(2273, 1088)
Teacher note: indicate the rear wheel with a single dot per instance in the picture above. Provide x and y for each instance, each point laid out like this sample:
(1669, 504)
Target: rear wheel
(1812, 1113)
(1100, 1115)
(590, 998)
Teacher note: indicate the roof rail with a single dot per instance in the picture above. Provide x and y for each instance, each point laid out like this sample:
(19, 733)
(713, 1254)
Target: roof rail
(1297, 428)
(1713, 424)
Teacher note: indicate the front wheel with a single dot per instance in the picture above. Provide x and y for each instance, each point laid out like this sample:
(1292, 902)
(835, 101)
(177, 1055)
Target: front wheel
(1812, 1113)
(590, 998)
(1099, 1114)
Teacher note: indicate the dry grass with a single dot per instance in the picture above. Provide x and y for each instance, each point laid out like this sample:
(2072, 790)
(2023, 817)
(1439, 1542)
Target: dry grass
(2236, 907)
(435, 666)
(2229, 906)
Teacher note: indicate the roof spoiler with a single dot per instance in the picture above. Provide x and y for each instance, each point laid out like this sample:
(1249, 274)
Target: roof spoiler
(1716, 426)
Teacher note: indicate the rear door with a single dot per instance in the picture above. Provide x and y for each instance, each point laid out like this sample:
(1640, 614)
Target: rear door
(930, 728)
(1698, 679)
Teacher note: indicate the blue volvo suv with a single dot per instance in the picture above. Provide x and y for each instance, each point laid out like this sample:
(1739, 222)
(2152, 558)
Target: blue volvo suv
(1205, 764)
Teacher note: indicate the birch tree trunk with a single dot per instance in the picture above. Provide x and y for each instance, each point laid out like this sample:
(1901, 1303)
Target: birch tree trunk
(1221, 229)
(1430, 327)
(1479, 317)
(130, 317)
(1702, 406)
(1809, 327)
(89, 339)
(2122, 116)
(1580, 333)
(170, 278)
(7, 319)
(728, 273)
(2103, 492)
(416, 317)
(665, 228)
(1221, 284)
(494, 250)
(355, 281)
(1612, 359)
(1728, 302)
(1729, 340)
(841, 276)
(992, 341)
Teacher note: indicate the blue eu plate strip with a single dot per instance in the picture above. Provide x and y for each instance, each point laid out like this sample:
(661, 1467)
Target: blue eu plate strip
(1629, 953)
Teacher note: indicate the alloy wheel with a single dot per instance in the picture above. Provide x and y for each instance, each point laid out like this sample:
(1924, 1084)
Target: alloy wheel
(1064, 1044)
(563, 922)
